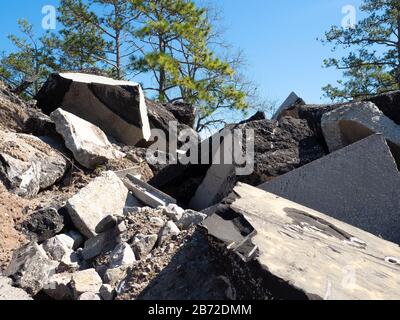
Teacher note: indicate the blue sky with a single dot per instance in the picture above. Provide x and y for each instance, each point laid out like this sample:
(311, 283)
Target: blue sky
(279, 38)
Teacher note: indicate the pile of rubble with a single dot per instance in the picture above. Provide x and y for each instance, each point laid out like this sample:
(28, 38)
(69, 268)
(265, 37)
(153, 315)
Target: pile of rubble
(85, 216)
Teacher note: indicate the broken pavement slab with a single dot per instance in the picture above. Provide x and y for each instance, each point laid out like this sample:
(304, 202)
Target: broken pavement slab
(359, 184)
(299, 253)
(88, 143)
(117, 107)
(105, 195)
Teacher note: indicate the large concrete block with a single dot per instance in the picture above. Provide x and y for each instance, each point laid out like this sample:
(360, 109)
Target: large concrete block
(359, 184)
(105, 195)
(355, 121)
(117, 107)
(87, 142)
(275, 247)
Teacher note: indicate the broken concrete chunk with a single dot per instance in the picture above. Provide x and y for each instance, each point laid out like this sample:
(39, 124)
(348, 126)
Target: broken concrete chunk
(158, 222)
(108, 223)
(86, 281)
(355, 185)
(143, 245)
(56, 248)
(89, 296)
(191, 218)
(107, 292)
(10, 293)
(28, 165)
(105, 195)
(122, 255)
(281, 244)
(60, 251)
(30, 268)
(170, 229)
(87, 142)
(117, 107)
(173, 212)
(114, 276)
(59, 287)
(356, 121)
(102, 242)
(44, 224)
(72, 239)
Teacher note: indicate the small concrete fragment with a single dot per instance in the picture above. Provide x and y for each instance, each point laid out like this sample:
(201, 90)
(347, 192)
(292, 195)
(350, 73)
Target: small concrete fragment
(87, 142)
(60, 251)
(59, 287)
(170, 229)
(103, 242)
(107, 292)
(122, 255)
(105, 195)
(191, 218)
(72, 239)
(89, 296)
(143, 245)
(44, 224)
(174, 212)
(56, 248)
(356, 184)
(30, 268)
(86, 281)
(356, 121)
(114, 276)
(108, 223)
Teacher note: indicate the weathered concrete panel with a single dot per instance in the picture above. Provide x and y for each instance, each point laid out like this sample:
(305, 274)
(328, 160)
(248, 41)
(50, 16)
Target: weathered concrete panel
(294, 252)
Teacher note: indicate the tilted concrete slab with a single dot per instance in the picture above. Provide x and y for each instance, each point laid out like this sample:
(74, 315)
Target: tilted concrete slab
(359, 184)
(275, 247)
(117, 107)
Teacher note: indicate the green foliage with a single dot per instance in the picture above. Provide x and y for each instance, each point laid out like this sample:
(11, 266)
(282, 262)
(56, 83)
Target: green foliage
(373, 64)
(177, 35)
(175, 41)
(32, 59)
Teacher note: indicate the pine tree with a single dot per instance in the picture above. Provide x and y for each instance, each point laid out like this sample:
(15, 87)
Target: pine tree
(373, 64)
(33, 58)
(106, 24)
(176, 37)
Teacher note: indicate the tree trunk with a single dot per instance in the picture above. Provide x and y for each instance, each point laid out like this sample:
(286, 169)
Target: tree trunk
(162, 72)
